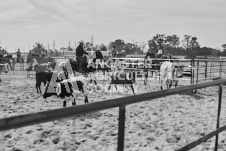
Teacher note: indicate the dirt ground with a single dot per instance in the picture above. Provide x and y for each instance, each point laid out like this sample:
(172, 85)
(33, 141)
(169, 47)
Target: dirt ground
(163, 124)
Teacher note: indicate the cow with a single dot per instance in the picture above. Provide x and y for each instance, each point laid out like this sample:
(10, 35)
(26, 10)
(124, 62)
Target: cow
(70, 67)
(123, 78)
(45, 77)
(170, 73)
(68, 88)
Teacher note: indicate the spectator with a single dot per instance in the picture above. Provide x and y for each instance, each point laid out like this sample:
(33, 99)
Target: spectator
(159, 54)
(150, 54)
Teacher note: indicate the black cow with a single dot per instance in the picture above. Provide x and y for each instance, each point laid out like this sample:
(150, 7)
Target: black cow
(45, 77)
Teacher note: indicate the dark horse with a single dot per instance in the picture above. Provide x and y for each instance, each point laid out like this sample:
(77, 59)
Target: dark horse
(86, 68)
(89, 67)
(6, 59)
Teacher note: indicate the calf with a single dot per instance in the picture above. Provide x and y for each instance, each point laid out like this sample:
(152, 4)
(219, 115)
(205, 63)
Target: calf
(170, 74)
(122, 78)
(68, 89)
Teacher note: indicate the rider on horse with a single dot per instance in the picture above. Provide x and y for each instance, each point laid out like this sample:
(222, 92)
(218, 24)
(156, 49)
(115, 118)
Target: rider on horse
(150, 54)
(159, 54)
(79, 55)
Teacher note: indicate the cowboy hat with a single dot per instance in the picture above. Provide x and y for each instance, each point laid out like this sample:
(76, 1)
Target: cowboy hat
(81, 42)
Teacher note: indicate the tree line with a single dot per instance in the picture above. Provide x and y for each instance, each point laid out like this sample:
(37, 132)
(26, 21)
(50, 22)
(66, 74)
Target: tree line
(187, 46)
(170, 44)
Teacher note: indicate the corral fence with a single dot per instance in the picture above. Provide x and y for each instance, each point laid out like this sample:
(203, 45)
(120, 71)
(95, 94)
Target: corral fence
(196, 70)
(46, 116)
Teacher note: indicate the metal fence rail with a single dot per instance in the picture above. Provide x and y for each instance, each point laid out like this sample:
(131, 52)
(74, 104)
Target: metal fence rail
(46, 116)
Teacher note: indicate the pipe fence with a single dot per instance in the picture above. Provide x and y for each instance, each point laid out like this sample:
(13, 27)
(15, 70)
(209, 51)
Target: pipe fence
(196, 70)
(46, 116)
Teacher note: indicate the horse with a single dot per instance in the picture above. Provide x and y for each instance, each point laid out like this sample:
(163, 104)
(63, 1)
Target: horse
(156, 63)
(170, 73)
(75, 68)
(7, 58)
(19, 60)
(89, 65)
(40, 60)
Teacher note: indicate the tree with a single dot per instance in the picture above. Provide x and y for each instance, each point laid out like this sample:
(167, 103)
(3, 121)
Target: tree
(224, 46)
(103, 47)
(50, 53)
(190, 44)
(38, 49)
(173, 41)
(142, 46)
(152, 46)
(205, 51)
(157, 42)
(117, 45)
(128, 48)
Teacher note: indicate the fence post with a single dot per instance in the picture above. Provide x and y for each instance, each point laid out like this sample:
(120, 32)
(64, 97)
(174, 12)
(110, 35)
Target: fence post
(121, 128)
(197, 72)
(220, 69)
(191, 71)
(205, 71)
(218, 114)
(211, 68)
(145, 71)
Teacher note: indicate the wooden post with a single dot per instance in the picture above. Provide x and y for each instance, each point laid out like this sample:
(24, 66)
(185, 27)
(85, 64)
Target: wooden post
(121, 128)
(218, 114)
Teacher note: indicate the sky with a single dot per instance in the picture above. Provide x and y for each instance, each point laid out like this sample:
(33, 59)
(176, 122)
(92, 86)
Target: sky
(26, 22)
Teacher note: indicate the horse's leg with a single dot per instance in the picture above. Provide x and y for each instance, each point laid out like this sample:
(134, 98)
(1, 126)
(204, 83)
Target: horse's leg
(176, 82)
(37, 86)
(10, 65)
(132, 88)
(161, 84)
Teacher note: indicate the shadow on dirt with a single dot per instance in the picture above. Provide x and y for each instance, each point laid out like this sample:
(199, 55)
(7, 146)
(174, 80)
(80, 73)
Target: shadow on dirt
(193, 94)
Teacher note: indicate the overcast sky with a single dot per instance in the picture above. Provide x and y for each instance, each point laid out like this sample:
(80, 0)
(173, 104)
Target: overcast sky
(24, 22)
